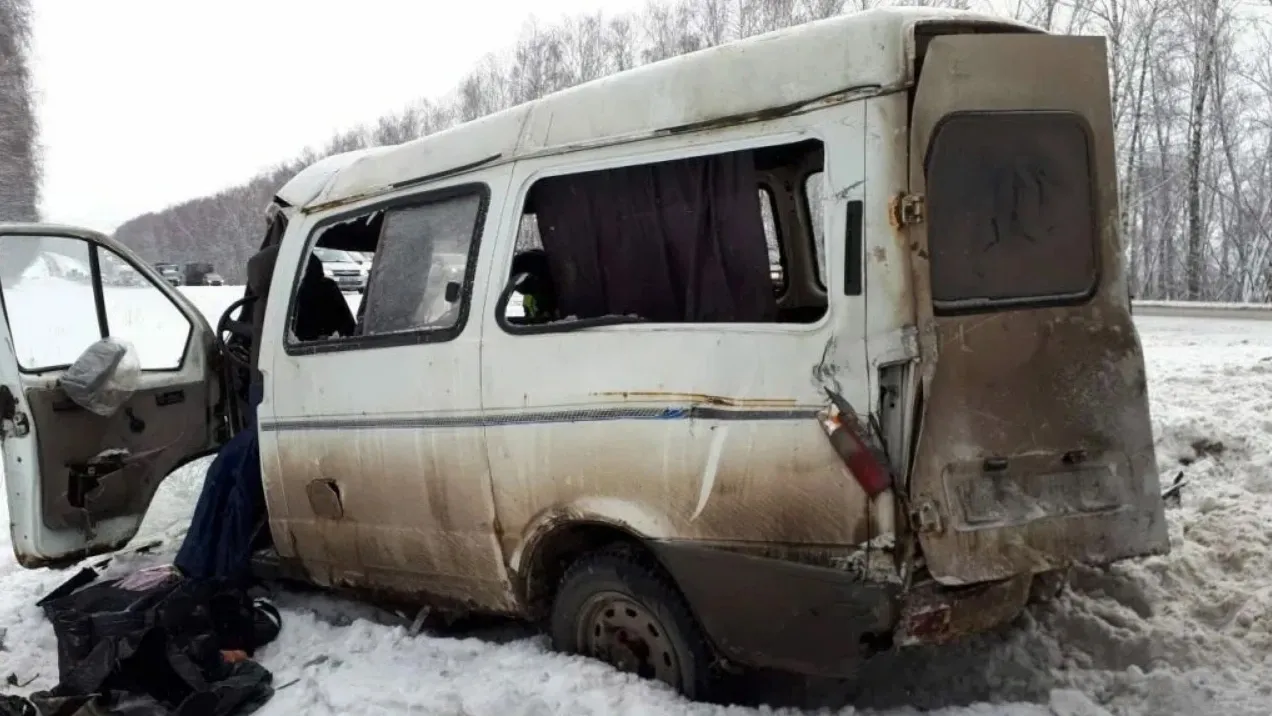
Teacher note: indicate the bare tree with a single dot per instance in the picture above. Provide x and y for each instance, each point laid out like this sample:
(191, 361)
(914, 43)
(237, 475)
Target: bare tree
(1191, 84)
(19, 156)
(1206, 35)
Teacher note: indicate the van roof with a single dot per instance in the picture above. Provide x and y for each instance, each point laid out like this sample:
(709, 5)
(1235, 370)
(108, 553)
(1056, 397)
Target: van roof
(858, 53)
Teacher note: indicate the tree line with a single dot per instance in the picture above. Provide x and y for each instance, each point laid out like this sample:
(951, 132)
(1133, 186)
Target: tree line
(19, 150)
(1192, 101)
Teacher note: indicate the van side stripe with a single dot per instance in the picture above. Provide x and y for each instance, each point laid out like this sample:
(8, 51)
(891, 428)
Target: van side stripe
(475, 420)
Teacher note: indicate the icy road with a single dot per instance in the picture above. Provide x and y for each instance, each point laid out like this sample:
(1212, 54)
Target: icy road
(1188, 634)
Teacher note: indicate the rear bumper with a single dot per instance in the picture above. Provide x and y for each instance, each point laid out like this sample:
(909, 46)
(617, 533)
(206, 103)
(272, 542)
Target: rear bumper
(934, 614)
(821, 621)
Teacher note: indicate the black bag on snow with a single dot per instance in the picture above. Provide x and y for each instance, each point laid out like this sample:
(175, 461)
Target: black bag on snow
(156, 651)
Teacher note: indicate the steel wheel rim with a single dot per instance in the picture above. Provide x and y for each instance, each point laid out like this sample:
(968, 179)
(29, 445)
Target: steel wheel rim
(623, 633)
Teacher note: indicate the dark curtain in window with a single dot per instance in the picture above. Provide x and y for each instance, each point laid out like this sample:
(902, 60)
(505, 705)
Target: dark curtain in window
(678, 241)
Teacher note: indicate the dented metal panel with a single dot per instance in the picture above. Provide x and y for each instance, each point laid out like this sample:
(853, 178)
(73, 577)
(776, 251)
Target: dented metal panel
(806, 618)
(933, 614)
(374, 478)
(1036, 448)
(704, 440)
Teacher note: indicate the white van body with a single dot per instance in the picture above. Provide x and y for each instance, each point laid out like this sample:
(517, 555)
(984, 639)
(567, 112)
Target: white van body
(479, 464)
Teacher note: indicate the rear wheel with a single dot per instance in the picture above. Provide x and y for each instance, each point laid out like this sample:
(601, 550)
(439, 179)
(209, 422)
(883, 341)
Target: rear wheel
(619, 607)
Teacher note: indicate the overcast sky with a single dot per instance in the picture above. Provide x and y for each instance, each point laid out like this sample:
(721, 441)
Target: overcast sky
(145, 103)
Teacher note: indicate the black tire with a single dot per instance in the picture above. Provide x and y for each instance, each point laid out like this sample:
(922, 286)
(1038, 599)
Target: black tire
(630, 586)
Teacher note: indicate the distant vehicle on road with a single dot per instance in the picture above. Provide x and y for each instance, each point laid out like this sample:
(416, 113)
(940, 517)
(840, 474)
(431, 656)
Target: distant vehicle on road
(196, 271)
(170, 272)
(342, 267)
(213, 279)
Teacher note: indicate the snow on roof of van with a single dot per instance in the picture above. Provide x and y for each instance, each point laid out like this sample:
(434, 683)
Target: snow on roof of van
(730, 82)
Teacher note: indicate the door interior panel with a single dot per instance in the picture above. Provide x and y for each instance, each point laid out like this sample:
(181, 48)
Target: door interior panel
(155, 430)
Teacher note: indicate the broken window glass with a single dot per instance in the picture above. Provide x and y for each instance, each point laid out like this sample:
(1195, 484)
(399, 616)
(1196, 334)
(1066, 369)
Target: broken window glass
(421, 267)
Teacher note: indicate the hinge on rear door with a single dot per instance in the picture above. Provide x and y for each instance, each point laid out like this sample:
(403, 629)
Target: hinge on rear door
(909, 209)
(925, 517)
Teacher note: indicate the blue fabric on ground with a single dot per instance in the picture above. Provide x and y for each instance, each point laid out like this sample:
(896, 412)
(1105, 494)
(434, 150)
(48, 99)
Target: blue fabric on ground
(230, 507)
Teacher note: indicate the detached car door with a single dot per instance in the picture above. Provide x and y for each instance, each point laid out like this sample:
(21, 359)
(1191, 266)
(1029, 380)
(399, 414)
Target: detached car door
(79, 482)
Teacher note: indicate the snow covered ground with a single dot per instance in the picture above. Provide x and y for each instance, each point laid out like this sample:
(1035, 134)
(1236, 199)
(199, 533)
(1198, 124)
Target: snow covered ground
(1186, 634)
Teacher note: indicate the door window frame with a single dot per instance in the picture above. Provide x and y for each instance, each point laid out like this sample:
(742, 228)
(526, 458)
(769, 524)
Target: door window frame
(648, 154)
(418, 336)
(99, 295)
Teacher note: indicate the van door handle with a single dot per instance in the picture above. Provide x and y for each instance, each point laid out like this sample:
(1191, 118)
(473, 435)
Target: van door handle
(170, 397)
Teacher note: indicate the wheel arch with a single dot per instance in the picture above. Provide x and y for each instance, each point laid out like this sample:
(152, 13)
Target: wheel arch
(548, 552)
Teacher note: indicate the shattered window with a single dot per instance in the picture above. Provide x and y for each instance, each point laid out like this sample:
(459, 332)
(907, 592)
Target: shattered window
(421, 267)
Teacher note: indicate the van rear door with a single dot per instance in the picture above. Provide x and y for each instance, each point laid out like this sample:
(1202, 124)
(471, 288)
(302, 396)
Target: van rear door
(1036, 447)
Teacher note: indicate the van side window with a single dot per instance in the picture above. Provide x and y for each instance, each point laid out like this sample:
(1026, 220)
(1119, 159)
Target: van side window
(422, 267)
(690, 240)
(393, 271)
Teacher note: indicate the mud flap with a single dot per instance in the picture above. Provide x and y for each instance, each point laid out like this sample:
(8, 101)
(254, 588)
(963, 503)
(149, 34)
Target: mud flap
(795, 617)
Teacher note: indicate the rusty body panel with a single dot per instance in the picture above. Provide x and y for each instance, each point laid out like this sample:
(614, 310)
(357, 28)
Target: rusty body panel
(824, 619)
(932, 614)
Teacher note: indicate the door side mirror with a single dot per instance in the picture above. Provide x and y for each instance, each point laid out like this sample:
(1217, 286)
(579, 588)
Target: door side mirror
(452, 291)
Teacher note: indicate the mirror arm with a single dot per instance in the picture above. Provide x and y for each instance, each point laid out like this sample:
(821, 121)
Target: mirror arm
(99, 293)
(505, 296)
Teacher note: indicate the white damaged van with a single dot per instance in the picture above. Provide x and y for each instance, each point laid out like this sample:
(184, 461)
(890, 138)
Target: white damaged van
(823, 346)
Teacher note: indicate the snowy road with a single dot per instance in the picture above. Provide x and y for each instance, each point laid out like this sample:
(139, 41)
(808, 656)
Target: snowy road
(1186, 634)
